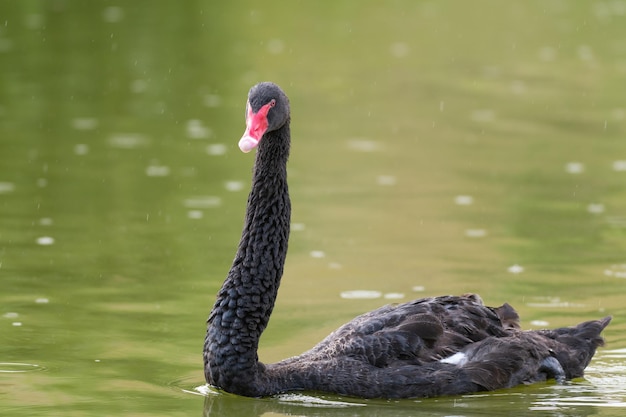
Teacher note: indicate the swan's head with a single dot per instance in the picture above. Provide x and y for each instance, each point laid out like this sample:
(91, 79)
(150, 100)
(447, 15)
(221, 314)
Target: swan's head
(267, 109)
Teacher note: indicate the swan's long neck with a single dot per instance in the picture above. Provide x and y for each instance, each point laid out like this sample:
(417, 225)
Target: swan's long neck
(246, 299)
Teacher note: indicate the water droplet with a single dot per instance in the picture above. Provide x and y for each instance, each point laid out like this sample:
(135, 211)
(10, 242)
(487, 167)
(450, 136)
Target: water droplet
(196, 130)
(216, 149)
(515, 269)
(42, 300)
(464, 200)
(297, 227)
(585, 53)
(619, 166)
(157, 171)
(540, 323)
(10, 315)
(618, 114)
(275, 46)
(128, 140)
(483, 115)
(233, 185)
(195, 214)
(617, 271)
(5, 45)
(84, 123)
(81, 149)
(34, 21)
(317, 254)
(418, 288)
(212, 100)
(393, 295)
(386, 180)
(574, 167)
(6, 187)
(547, 53)
(518, 87)
(199, 202)
(364, 145)
(45, 221)
(595, 208)
(334, 265)
(17, 324)
(138, 86)
(45, 240)
(113, 14)
(399, 49)
(360, 294)
(476, 233)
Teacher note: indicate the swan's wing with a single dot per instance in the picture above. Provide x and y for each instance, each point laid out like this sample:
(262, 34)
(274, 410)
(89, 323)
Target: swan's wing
(416, 332)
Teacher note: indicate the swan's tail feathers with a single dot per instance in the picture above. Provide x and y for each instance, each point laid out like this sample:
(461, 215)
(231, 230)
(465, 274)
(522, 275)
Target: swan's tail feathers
(508, 316)
(576, 345)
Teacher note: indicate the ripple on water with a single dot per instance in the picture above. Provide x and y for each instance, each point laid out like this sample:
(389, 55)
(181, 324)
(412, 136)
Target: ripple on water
(216, 149)
(45, 240)
(616, 270)
(128, 140)
(6, 187)
(16, 367)
(360, 294)
(364, 145)
(197, 130)
(202, 201)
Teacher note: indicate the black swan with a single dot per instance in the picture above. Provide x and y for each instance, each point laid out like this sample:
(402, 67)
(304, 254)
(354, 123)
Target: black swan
(423, 348)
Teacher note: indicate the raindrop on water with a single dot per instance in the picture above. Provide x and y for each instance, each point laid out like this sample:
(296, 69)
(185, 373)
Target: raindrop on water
(364, 145)
(399, 49)
(45, 240)
(113, 14)
(595, 208)
(196, 130)
(386, 180)
(483, 115)
(233, 185)
(199, 202)
(81, 149)
(475, 233)
(574, 167)
(393, 295)
(317, 254)
(84, 123)
(212, 100)
(515, 269)
(216, 149)
(360, 294)
(157, 171)
(297, 227)
(6, 187)
(619, 166)
(275, 46)
(195, 214)
(464, 200)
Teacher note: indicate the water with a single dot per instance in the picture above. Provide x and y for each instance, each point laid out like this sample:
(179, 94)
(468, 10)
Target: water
(439, 147)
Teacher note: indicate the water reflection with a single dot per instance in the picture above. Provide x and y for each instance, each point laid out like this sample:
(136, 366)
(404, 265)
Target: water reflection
(579, 399)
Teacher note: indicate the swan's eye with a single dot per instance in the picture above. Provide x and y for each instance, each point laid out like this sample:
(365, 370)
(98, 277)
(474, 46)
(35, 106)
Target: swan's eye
(272, 103)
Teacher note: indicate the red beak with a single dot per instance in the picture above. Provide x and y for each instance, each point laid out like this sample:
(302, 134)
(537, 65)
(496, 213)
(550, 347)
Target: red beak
(256, 126)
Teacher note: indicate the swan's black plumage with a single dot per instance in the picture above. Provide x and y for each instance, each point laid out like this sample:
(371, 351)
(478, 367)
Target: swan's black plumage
(428, 347)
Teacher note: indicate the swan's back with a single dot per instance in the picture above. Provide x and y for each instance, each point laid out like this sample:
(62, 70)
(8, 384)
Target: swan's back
(417, 331)
(439, 346)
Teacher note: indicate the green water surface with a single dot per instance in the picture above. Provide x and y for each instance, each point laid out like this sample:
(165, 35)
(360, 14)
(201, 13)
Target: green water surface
(439, 147)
